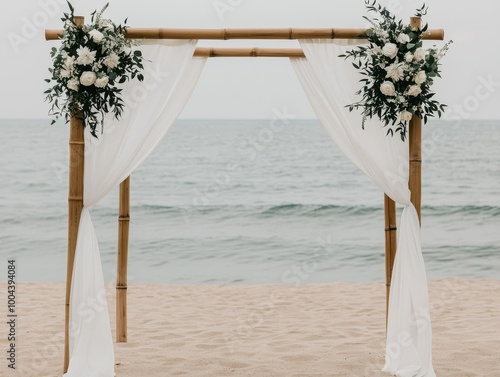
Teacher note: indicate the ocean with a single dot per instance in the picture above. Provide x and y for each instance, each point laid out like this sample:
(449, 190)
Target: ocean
(241, 201)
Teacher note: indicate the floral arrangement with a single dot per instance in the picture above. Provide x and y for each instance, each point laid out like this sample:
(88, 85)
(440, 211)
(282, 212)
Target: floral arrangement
(398, 71)
(88, 68)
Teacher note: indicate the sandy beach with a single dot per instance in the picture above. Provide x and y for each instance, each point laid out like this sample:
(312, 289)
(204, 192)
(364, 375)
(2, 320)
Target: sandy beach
(268, 330)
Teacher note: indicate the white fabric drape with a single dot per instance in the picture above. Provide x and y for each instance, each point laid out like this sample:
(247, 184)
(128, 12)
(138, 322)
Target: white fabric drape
(151, 108)
(330, 83)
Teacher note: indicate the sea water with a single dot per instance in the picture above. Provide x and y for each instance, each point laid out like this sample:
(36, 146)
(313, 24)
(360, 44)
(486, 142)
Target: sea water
(243, 201)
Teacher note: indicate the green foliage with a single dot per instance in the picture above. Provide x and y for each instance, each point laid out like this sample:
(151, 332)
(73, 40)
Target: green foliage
(397, 72)
(88, 68)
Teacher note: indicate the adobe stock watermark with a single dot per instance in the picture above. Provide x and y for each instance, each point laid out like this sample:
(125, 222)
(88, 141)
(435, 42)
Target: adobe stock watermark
(249, 148)
(265, 136)
(448, 293)
(133, 97)
(53, 347)
(421, 320)
(221, 7)
(482, 92)
(297, 274)
(393, 6)
(153, 78)
(456, 113)
(31, 27)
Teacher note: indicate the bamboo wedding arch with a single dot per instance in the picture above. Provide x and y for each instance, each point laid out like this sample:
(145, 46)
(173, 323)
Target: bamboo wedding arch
(77, 148)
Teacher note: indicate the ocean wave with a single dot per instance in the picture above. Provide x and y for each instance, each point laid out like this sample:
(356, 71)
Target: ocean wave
(317, 210)
(446, 210)
(311, 210)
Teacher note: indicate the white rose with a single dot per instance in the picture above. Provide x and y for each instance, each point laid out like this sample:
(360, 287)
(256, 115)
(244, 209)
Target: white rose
(420, 77)
(390, 50)
(376, 50)
(96, 36)
(69, 63)
(419, 54)
(403, 38)
(73, 85)
(414, 90)
(405, 115)
(408, 57)
(395, 72)
(387, 88)
(87, 78)
(382, 33)
(112, 60)
(101, 82)
(65, 73)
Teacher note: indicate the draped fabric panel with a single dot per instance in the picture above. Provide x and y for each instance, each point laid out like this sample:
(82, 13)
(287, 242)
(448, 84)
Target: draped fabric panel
(330, 83)
(150, 109)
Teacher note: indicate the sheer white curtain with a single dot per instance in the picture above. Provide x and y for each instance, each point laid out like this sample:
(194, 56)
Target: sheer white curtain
(330, 83)
(151, 108)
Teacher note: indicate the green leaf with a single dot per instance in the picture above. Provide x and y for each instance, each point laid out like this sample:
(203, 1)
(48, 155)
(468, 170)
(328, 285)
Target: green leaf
(70, 7)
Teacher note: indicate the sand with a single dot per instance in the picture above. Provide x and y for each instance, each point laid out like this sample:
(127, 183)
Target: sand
(310, 330)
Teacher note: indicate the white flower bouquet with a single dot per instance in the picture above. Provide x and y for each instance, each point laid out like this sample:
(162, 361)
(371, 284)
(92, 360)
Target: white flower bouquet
(398, 72)
(87, 69)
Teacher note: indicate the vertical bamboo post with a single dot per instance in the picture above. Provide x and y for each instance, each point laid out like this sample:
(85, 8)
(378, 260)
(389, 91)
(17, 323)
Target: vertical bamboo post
(415, 182)
(415, 139)
(415, 186)
(390, 246)
(75, 203)
(121, 277)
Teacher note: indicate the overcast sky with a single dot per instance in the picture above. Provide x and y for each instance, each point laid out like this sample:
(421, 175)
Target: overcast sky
(252, 88)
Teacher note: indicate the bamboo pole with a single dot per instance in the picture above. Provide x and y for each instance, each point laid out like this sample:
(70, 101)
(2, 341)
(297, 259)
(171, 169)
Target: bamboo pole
(121, 278)
(75, 204)
(415, 182)
(415, 139)
(207, 52)
(390, 246)
(214, 34)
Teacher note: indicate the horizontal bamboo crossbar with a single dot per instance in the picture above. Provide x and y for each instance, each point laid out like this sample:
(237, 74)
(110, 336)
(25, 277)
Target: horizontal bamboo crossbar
(226, 52)
(284, 33)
